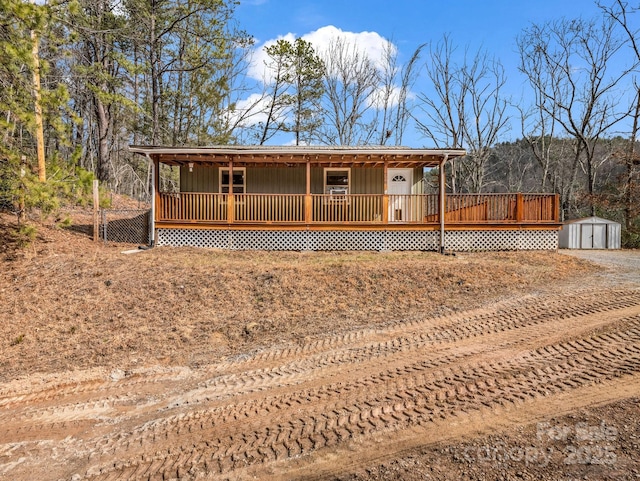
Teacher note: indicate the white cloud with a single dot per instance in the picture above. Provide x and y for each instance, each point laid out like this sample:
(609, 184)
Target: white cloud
(259, 58)
(253, 109)
(371, 44)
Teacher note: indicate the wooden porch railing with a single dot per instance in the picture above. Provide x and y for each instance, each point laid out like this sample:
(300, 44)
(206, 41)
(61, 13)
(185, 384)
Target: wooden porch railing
(269, 208)
(500, 208)
(353, 208)
(540, 206)
(356, 208)
(481, 208)
(192, 207)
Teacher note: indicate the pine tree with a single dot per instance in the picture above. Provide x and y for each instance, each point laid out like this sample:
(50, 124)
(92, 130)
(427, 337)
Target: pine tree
(295, 91)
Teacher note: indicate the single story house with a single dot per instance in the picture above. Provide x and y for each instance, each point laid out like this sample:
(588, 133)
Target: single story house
(335, 198)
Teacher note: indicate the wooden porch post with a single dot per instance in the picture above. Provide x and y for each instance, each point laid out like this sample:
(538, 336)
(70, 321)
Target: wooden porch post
(155, 199)
(519, 207)
(442, 198)
(307, 196)
(156, 187)
(230, 196)
(385, 197)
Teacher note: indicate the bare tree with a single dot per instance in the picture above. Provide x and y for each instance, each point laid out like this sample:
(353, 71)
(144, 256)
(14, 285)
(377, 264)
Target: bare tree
(464, 108)
(236, 111)
(568, 64)
(488, 119)
(443, 106)
(619, 12)
(392, 98)
(538, 129)
(351, 79)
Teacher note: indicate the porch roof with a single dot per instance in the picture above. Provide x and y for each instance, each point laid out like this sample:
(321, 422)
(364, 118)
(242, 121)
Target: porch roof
(329, 156)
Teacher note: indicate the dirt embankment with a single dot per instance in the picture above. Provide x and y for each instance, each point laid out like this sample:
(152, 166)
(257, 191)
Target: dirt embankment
(69, 303)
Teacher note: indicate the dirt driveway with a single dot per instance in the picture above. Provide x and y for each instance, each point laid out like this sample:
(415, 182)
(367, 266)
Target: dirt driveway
(625, 262)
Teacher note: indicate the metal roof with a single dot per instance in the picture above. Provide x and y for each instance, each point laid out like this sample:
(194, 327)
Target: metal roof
(591, 220)
(274, 155)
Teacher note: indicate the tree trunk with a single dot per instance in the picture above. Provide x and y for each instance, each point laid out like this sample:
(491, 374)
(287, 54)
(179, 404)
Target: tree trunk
(102, 118)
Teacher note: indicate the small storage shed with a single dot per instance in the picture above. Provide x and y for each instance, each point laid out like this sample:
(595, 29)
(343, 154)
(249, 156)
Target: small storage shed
(590, 233)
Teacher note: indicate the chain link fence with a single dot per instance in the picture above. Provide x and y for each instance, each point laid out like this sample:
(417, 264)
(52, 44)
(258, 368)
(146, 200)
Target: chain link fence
(129, 226)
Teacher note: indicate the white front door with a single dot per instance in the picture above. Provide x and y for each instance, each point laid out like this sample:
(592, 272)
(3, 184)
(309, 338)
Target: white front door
(399, 182)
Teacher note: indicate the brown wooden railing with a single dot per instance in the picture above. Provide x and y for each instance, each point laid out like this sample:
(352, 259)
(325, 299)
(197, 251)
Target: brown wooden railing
(539, 206)
(269, 208)
(356, 208)
(347, 208)
(192, 207)
(497, 208)
(469, 208)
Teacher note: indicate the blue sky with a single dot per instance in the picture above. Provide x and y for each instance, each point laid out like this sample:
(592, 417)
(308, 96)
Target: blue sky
(492, 25)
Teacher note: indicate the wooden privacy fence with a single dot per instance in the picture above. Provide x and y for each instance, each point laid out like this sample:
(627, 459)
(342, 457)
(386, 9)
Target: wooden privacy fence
(189, 207)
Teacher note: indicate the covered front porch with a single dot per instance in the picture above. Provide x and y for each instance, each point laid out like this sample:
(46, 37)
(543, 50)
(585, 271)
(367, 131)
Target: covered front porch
(356, 209)
(236, 194)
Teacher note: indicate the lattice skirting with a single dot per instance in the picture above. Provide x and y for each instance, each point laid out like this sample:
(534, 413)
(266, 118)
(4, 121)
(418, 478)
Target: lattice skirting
(359, 240)
(501, 240)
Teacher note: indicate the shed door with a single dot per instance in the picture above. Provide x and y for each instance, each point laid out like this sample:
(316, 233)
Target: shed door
(599, 236)
(399, 183)
(586, 236)
(593, 236)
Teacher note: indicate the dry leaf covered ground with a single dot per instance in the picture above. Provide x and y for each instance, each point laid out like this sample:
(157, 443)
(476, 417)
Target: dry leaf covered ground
(69, 303)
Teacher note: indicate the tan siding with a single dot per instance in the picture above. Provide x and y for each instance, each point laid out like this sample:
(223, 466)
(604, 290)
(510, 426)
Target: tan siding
(281, 180)
(202, 179)
(286, 180)
(317, 180)
(418, 181)
(367, 181)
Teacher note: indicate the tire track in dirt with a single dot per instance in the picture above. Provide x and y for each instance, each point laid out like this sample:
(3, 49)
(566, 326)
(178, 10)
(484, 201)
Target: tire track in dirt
(412, 339)
(391, 401)
(277, 405)
(49, 389)
(501, 316)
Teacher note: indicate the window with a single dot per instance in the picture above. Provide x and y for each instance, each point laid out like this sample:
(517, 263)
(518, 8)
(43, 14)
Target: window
(399, 178)
(238, 180)
(337, 181)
